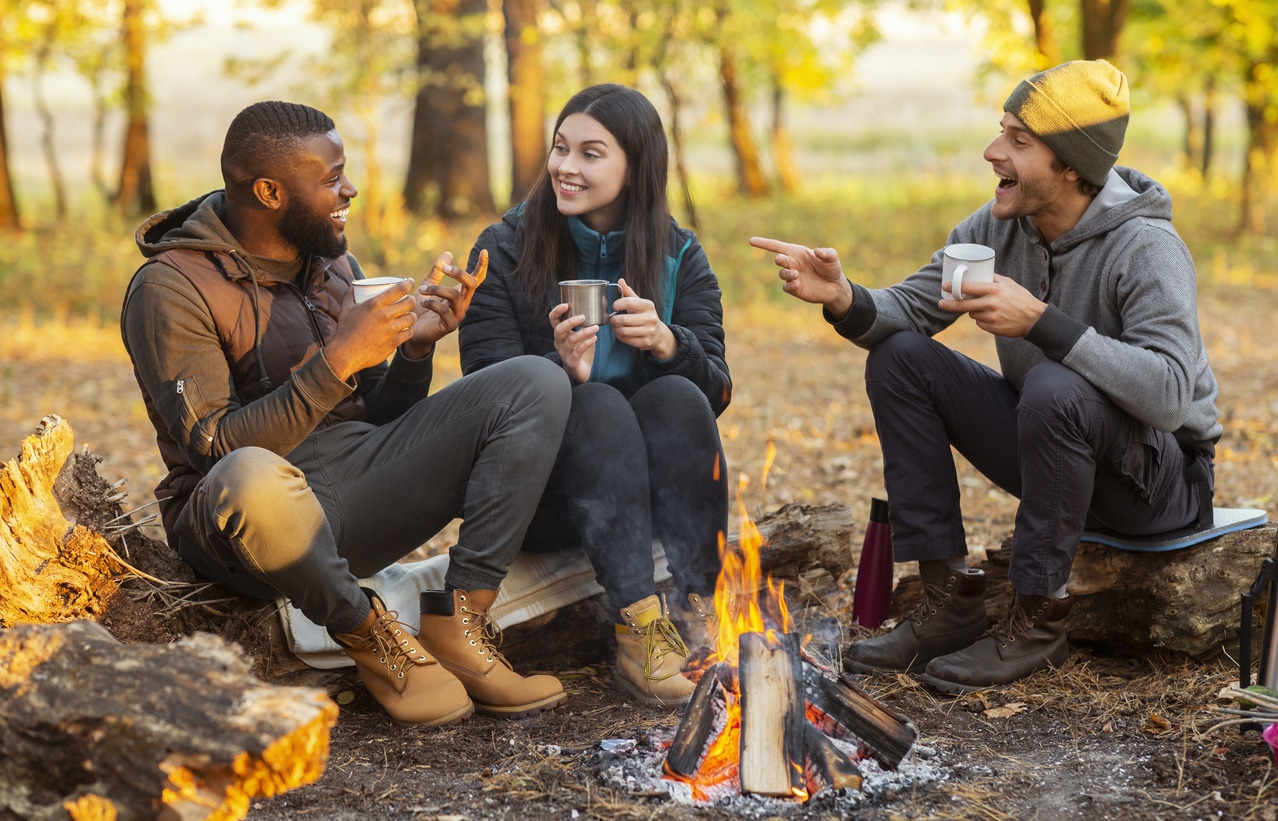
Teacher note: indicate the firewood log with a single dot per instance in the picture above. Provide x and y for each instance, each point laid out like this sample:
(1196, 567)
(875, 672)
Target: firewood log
(144, 731)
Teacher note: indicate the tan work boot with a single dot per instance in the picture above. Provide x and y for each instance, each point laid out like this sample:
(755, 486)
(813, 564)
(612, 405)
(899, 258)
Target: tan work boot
(1030, 637)
(457, 630)
(950, 617)
(701, 621)
(409, 684)
(650, 654)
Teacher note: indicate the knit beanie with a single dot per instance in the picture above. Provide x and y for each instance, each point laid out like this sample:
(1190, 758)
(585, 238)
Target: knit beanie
(1080, 110)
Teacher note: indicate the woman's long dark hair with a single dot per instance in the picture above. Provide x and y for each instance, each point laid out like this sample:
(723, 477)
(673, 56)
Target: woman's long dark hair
(549, 254)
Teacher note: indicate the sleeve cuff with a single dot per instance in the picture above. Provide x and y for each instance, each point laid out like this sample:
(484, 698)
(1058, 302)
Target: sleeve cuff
(859, 317)
(1056, 333)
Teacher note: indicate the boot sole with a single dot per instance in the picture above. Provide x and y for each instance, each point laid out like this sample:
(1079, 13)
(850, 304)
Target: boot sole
(456, 717)
(622, 683)
(957, 689)
(522, 710)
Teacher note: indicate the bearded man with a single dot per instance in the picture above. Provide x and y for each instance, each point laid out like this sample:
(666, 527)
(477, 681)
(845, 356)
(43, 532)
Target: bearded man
(299, 458)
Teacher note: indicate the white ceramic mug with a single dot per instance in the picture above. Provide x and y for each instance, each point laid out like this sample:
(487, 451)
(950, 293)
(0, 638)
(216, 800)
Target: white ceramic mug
(366, 289)
(588, 298)
(965, 262)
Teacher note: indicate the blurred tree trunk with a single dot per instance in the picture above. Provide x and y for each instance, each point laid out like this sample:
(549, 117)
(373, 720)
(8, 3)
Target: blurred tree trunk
(136, 194)
(1260, 164)
(1103, 22)
(527, 98)
(782, 149)
(750, 179)
(1208, 126)
(1044, 33)
(448, 150)
(676, 149)
(10, 219)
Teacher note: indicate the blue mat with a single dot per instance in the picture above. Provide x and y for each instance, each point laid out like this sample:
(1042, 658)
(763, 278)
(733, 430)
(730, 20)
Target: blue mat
(1224, 520)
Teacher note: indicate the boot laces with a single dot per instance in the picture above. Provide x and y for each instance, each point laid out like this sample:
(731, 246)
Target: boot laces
(484, 634)
(934, 598)
(394, 644)
(1015, 622)
(660, 638)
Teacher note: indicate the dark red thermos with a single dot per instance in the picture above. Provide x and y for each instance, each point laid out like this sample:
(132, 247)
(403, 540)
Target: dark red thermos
(873, 591)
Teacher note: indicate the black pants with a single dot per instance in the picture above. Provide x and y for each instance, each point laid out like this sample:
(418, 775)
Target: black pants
(1073, 458)
(629, 470)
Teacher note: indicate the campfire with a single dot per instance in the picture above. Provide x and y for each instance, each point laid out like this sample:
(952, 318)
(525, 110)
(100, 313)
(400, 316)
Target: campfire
(767, 717)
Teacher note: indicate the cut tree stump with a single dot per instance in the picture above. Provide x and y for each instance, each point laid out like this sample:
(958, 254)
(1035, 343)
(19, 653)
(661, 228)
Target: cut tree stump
(1186, 600)
(174, 731)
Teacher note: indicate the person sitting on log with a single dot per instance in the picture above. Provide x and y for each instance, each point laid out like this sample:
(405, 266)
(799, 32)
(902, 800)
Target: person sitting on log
(1104, 413)
(299, 459)
(641, 455)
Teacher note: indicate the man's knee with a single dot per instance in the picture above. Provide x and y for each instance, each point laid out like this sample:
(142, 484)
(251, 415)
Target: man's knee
(250, 481)
(1053, 390)
(898, 353)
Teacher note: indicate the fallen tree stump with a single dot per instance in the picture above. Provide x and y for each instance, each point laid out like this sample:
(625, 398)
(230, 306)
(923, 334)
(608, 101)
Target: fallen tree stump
(1183, 600)
(175, 731)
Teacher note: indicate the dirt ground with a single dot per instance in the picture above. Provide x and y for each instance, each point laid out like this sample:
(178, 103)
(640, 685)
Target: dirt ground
(1108, 736)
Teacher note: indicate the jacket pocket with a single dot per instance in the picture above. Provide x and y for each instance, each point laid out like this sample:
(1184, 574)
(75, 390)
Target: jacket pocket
(179, 408)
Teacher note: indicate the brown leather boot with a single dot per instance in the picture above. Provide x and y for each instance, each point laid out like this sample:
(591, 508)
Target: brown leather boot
(406, 680)
(950, 616)
(457, 630)
(1029, 637)
(650, 654)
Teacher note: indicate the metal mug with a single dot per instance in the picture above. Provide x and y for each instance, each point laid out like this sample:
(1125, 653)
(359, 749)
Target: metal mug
(588, 298)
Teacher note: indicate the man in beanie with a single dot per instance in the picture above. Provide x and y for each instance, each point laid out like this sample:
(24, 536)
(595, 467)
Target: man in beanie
(1103, 415)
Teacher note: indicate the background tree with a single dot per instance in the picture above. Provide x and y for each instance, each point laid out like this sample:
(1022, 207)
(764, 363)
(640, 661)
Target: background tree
(136, 193)
(448, 152)
(10, 20)
(526, 95)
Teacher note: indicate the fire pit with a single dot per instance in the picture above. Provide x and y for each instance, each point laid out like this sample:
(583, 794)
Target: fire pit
(766, 717)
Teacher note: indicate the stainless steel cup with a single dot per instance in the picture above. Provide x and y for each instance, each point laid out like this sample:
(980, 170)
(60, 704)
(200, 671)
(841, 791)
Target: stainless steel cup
(588, 298)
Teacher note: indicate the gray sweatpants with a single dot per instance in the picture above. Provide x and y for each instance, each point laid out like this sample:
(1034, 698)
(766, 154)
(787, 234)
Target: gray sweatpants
(354, 497)
(1073, 458)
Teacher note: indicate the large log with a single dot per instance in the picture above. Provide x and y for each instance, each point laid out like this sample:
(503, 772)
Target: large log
(176, 731)
(772, 718)
(1186, 600)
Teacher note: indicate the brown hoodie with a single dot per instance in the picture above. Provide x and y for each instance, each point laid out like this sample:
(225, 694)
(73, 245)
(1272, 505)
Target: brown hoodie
(228, 356)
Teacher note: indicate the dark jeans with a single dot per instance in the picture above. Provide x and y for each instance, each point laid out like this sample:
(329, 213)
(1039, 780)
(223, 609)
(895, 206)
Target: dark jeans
(1073, 458)
(354, 498)
(629, 469)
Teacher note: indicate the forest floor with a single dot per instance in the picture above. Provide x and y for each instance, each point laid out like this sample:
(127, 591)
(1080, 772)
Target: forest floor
(1110, 735)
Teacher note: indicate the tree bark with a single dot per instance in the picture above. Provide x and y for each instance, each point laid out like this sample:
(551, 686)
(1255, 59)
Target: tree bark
(526, 97)
(10, 218)
(449, 145)
(182, 730)
(136, 194)
(750, 178)
(782, 149)
(1103, 22)
(1044, 33)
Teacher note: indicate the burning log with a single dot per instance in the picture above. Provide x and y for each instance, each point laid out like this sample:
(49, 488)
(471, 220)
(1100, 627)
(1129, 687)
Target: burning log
(704, 720)
(772, 716)
(843, 710)
(145, 731)
(826, 766)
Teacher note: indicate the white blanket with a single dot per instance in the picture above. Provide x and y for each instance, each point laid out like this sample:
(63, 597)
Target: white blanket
(536, 584)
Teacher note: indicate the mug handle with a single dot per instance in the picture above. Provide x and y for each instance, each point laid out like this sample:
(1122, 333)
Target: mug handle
(956, 281)
(612, 313)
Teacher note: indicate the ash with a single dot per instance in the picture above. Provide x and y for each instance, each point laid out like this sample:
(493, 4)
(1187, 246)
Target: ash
(635, 766)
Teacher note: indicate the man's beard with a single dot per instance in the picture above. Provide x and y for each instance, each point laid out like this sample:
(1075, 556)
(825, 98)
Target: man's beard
(311, 233)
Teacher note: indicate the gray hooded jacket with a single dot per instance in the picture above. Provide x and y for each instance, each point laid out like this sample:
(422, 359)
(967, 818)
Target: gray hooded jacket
(1122, 304)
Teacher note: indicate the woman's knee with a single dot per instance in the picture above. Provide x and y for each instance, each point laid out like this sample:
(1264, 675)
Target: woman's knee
(674, 397)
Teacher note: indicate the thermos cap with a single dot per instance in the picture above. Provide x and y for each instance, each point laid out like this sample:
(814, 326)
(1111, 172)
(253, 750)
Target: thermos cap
(879, 510)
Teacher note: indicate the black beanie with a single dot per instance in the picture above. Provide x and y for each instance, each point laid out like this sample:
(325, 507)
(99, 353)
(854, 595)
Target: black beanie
(1080, 110)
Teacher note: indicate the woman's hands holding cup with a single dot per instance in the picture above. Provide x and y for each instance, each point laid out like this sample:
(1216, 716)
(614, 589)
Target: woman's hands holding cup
(574, 342)
(636, 324)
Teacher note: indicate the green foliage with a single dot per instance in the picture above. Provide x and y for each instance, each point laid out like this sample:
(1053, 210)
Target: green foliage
(884, 225)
